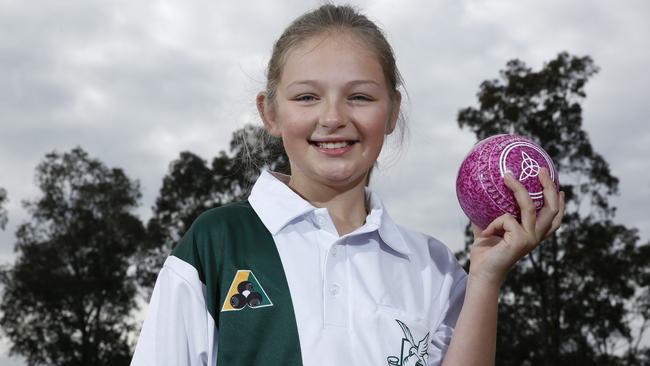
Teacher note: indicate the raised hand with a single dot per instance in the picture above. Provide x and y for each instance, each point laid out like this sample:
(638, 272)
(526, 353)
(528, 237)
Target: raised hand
(497, 248)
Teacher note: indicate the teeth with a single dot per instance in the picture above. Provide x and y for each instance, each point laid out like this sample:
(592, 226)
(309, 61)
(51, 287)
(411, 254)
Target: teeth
(332, 145)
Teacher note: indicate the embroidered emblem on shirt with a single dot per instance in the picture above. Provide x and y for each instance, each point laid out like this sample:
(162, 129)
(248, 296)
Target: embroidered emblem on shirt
(245, 291)
(412, 354)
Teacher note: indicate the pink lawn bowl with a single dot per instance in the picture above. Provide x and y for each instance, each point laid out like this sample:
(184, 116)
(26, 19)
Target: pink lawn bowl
(480, 188)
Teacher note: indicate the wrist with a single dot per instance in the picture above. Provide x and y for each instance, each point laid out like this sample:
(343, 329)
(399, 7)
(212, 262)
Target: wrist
(485, 281)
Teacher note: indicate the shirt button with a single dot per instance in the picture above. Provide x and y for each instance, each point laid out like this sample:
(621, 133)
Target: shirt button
(335, 290)
(334, 251)
(320, 220)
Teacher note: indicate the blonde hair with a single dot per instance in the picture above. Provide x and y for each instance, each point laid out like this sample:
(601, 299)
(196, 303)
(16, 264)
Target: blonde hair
(331, 17)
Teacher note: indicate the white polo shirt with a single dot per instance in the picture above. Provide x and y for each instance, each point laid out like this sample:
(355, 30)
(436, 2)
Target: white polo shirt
(380, 295)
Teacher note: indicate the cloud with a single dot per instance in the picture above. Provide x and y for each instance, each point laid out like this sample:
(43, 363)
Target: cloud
(135, 83)
(447, 49)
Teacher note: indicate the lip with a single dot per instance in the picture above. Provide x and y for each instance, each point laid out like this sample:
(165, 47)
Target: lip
(333, 152)
(333, 139)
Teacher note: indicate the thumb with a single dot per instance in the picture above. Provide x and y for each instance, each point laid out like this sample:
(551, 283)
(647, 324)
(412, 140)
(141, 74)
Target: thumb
(476, 230)
(500, 225)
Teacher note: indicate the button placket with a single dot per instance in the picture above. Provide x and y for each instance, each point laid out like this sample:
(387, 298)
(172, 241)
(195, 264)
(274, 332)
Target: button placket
(322, 221)
(335, 291)
(334, 251)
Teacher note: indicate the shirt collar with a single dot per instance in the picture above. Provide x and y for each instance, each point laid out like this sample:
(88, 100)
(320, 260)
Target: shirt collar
(276, 204)
(388, 230)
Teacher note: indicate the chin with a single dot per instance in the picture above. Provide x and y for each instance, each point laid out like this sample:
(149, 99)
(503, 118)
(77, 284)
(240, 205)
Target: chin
(341, 177)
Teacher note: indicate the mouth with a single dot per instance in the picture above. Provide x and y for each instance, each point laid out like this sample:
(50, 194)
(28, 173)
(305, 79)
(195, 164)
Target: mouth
(332, 144)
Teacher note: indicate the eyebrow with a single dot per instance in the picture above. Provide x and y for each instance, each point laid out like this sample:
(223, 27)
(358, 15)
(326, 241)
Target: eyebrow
(349, 83)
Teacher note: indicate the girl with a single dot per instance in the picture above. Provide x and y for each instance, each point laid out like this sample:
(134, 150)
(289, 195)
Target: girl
(311, 269)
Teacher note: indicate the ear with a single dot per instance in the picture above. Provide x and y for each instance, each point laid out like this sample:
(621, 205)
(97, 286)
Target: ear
(394, 113)
(267, 113)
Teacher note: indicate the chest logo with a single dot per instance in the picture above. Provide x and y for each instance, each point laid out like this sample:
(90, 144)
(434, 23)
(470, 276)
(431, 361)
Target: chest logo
(245, 291)
(412, 353)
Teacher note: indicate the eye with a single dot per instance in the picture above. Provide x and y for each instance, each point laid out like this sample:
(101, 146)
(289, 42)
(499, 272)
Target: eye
(361, 98)
(305, 98)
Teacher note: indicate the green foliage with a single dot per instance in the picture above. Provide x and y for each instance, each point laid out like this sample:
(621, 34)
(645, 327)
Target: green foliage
(68, 297)
(576, 298)
(3, 211)
(191, 187)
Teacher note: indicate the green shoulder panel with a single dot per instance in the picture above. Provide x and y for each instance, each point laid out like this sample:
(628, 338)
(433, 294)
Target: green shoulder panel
(247, 291)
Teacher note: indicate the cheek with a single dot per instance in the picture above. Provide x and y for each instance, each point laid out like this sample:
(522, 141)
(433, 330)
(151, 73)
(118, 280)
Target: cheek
(374, 124)
(292, 126)
(295, 130)
(294, 137)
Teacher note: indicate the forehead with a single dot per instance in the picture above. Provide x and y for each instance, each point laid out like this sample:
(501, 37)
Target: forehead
(332, 55)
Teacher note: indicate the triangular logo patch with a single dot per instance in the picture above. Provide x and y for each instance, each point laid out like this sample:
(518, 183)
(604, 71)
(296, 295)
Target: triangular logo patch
(245, 292)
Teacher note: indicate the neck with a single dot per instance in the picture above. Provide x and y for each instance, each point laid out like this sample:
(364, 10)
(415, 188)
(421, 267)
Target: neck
(346, 204)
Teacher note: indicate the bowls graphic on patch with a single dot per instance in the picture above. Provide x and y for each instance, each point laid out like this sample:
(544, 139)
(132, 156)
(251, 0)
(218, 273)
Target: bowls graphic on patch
(480, 188)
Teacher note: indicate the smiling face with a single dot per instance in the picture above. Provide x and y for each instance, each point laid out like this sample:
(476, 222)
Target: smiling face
(332, 109)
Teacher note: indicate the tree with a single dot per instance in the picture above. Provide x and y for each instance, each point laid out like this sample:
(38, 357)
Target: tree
(191, 187)
(3, 212)
(68, 297)
(576, 297)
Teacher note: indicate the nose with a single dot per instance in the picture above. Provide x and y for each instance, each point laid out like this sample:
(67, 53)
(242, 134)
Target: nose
(332, 116)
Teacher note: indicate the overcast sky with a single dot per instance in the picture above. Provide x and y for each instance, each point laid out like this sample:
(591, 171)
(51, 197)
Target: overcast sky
(136, 82)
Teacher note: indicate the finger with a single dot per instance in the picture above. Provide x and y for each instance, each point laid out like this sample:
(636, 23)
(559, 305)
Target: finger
(502, 224)
(519, 242)
(550, 193)
(526, 205)
(557, 220)
(550, 210)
